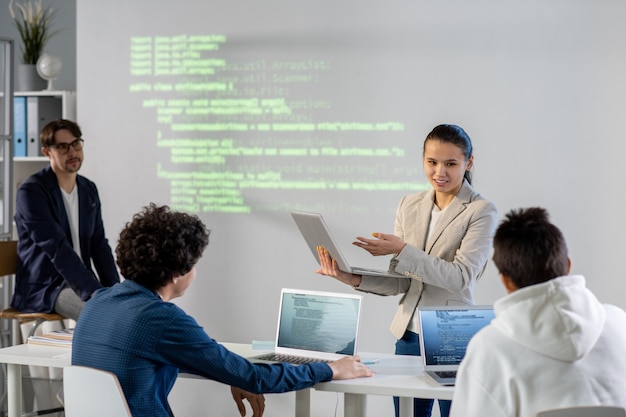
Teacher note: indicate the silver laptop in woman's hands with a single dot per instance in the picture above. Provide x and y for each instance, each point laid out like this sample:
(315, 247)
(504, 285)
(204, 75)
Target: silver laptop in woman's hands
(316, 233)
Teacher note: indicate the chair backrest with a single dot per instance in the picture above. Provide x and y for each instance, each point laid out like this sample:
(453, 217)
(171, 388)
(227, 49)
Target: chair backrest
(8, 267)
(584, 411)
(92, 392)
(8, 257)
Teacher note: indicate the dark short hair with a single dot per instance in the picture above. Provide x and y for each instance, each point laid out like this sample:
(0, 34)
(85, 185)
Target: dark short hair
(529, 249)
(455, 135)
(159, 244)
(47, 133)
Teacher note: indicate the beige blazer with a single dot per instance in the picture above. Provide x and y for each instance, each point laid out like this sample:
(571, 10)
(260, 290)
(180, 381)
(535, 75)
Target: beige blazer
(444, 269)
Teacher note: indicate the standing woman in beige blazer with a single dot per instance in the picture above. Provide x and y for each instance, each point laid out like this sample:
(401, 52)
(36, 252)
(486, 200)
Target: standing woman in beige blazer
(441, 243)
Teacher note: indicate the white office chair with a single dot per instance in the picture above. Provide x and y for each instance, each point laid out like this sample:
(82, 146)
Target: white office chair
(93, 392)
(584, 411)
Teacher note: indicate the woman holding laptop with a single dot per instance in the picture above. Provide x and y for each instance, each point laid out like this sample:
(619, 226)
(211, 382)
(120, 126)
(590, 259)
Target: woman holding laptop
(441, 242)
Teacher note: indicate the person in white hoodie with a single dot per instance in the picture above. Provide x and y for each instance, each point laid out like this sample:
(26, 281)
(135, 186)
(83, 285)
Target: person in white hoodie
(552, 344)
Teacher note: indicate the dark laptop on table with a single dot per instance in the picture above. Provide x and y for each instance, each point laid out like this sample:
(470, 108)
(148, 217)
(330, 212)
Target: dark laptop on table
(444, 335)
(315, 326)
(316, 233)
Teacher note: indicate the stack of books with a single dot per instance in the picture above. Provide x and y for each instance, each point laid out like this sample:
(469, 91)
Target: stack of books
(61, 338)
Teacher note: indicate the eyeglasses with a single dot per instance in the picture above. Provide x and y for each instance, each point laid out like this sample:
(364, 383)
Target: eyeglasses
(64, 148)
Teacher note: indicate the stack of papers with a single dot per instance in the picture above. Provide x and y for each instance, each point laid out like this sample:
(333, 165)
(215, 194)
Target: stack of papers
(61, 338)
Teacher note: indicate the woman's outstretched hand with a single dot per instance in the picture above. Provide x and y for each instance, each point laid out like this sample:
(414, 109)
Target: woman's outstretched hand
(383, 244)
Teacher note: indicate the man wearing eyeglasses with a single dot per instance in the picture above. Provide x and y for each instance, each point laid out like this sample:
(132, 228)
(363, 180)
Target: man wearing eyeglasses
(61, 238)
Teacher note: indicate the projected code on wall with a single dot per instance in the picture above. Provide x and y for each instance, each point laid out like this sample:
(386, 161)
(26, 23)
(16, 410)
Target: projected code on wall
(234, 135)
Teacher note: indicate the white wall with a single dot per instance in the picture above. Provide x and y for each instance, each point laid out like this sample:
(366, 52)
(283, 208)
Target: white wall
(62, 44)
(538, 85)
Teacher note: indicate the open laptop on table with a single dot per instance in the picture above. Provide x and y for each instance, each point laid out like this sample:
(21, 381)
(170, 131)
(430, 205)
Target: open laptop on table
(444, 335)
(316, 233)
(314, 326)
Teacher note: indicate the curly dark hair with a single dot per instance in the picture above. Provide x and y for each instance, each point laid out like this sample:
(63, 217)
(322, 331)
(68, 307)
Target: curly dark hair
(159, 244)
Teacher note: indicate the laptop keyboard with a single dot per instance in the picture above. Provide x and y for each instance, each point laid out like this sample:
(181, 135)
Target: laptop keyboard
(446, 374)
(295, 360)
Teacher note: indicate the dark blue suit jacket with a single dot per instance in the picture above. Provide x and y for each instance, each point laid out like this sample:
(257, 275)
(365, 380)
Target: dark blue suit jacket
(47, 261)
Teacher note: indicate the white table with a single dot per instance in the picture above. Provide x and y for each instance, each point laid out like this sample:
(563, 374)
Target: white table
(399, 376)
(16, 356)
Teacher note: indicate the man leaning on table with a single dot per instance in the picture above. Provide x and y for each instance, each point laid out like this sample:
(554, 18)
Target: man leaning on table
(552, 343)
(146, 340)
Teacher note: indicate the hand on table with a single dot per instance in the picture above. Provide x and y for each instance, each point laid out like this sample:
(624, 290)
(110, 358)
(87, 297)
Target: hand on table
(349, 367)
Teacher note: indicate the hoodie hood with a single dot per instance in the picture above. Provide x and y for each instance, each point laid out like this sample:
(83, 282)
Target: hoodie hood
(566, 318)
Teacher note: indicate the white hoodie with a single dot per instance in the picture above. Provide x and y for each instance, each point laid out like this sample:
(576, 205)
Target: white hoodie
(551, 345)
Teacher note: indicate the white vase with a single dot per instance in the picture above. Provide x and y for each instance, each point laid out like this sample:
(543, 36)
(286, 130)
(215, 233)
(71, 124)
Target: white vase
(27, 78)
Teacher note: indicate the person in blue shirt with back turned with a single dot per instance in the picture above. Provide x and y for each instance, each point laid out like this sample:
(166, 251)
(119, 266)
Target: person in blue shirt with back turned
(146, 340)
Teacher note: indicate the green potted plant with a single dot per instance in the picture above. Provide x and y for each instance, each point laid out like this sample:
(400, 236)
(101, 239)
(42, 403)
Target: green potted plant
(33, 23)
